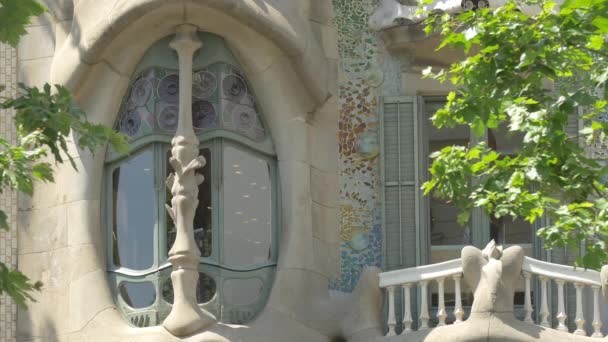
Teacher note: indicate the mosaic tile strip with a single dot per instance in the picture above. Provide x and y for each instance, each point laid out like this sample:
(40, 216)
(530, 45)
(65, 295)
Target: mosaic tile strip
(8, 200)
(361, 80)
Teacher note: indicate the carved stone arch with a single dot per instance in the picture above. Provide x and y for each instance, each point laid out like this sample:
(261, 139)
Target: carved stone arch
(104, 32)
(286, 67)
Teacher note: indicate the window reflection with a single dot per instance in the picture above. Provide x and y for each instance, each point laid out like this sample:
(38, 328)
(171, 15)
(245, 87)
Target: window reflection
(445, 229)
(137, 295)
(134, 212)
(205, 289)
(247, 209)
(507, 230)
(203, 214)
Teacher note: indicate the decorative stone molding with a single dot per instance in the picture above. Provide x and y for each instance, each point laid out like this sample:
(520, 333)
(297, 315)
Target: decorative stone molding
(186, 317)
(401, 25)
(392, 13)
(97, 24)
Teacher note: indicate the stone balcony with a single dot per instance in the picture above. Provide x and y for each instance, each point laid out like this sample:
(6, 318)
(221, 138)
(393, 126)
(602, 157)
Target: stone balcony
(493, 276)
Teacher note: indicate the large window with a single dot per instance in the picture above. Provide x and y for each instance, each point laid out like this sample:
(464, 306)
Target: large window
(235, 223)
(420, 230)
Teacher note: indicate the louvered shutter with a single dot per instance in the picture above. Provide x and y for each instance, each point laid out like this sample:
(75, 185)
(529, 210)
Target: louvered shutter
(399, 135)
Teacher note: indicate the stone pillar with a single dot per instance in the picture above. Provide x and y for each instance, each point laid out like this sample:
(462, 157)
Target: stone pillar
(186, 316)
(8, 200)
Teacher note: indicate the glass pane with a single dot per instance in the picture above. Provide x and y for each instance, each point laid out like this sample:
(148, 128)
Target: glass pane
(508, 231)
(205, 289)
(202, 216)
(134, 212)
(242, 291)
(137, 295)
(247, 209)
(505, 141)
(445, 229)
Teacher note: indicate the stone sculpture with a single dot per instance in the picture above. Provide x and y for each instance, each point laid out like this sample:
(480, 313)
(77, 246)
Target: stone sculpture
(186, 317)
(492, 274)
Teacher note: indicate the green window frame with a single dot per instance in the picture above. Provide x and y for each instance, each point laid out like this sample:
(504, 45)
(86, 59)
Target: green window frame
(221, 284)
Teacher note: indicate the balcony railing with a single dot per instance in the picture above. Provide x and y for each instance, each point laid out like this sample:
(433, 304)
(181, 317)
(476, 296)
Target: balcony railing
(418, 279)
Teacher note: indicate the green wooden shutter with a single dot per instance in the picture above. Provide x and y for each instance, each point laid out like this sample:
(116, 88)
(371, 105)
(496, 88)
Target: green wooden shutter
(400, 181)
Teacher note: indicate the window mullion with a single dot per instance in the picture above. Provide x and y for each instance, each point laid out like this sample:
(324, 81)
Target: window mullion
(161, 171)
(218, 196)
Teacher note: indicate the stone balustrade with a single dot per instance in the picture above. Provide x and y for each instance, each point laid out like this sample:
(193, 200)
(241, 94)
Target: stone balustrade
(562, 275)
(407, 279)
(419, 279)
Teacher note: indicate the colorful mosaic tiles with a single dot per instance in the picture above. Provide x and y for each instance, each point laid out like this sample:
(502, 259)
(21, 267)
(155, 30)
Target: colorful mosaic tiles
(360, 78)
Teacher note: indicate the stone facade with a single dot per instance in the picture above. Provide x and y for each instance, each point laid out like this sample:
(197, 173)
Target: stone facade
(8, 200)
(319, 72)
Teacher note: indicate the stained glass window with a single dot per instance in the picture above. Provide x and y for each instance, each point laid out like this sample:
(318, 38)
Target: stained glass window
(221, 99)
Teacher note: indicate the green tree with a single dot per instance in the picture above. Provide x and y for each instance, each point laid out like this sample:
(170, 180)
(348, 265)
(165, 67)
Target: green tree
(44, 120)
(511, 55)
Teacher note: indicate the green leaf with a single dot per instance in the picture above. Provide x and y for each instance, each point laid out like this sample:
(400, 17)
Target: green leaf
(43, 172)
(14, 16)
(17, 285)
(601, 23)
(3, 223)
(596, 42)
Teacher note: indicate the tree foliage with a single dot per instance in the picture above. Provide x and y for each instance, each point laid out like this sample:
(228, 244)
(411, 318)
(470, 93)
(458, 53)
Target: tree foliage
(511, 56)
(46, 120)
(14, 16)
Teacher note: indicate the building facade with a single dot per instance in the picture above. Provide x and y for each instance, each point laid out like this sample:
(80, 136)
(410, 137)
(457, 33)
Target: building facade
(312, 119)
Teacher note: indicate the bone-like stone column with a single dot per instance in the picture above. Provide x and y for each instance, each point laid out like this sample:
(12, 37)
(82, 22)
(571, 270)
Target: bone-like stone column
(186, 317)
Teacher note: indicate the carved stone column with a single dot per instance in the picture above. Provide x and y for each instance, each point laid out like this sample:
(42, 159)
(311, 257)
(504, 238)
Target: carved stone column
(186, 316)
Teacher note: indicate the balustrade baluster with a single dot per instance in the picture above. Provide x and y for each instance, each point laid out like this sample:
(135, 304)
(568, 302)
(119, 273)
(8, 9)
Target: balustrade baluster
(597, 322)
(580, 319)
(544, 310)
(407, 308)
(528, 300)
(441, 314)
(561, 309)
(424, 307)
(391, 311)
(458, 312)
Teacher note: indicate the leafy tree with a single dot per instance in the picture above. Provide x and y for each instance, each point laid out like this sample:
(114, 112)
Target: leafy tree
(44, 119)
(511, 55)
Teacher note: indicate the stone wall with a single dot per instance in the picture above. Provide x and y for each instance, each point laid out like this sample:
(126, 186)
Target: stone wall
(8, 200)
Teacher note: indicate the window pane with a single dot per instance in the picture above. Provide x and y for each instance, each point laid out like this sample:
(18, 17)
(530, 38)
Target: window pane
(205, 289)
(505, 141)
(247, 209)
(508, 231)
(137, 295)
(445, 229)
(202, 216)
(134, 212)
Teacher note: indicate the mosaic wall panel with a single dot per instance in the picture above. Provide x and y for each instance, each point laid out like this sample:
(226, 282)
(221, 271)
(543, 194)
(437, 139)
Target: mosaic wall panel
(8, 200)
(362, 79)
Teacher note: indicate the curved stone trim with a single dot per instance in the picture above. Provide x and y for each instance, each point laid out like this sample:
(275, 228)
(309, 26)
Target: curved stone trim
(106, 20)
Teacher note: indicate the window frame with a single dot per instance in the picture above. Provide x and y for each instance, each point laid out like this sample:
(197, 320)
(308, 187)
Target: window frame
(212, 266)
(480, 223)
